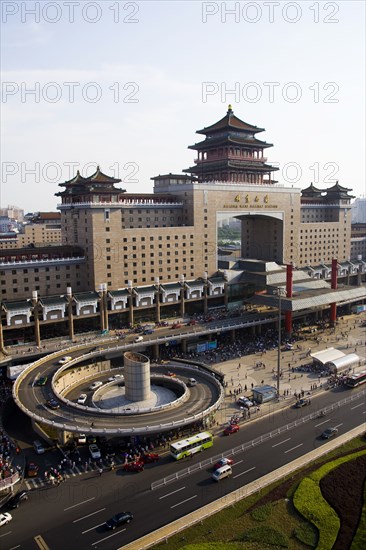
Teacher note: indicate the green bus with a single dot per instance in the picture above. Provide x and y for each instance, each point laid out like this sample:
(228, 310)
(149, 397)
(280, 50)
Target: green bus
(191, 445)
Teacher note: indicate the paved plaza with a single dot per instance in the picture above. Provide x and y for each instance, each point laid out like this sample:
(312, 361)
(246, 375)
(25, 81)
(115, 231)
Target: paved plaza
(246, 372)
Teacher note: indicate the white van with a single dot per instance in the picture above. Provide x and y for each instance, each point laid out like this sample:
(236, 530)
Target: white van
(138, 339)
(191, 382)
(224, 471)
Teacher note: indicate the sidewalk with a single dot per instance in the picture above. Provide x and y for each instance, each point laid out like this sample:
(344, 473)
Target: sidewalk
(242, 372)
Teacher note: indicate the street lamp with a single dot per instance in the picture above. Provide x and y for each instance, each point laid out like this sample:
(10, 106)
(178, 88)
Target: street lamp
(279, 291)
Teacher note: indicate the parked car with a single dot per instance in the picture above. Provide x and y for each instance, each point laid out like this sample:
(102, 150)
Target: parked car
(42, 381)
(17, 499)
(94, 451)
(223, 462)
(329, 432)
(138, 339)
(115, 377)
(119, 519)
(148, 331)
(136, 466)
(31, 469)
(82, 399)
(302, 403)
(53, 404)
(5, 518)
(245, 402)
(38, 447)
(64, 360)
(95, 385)
(147, 458)
(232, 429)
(91, 439)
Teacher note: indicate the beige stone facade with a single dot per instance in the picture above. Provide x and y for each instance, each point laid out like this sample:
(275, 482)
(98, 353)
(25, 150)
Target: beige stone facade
(129, 239)
(37, 234)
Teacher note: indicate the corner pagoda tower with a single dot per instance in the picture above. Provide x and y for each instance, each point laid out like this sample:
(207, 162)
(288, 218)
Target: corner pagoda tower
(231, 153)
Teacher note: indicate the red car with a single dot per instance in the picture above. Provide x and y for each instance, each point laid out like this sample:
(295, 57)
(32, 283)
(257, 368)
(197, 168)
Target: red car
(136, 466)
(149, 457)
(223, 462)
(176, 325)
(32, 469)
(233, 428)
(171, 374)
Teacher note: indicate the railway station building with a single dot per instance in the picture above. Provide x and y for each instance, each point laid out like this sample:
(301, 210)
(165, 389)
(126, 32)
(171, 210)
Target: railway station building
(128, 257)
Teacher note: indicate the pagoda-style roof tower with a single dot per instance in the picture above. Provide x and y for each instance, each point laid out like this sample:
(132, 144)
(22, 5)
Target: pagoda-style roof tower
(311, 192)
(231, 153)
(338, 192)
(95, 188)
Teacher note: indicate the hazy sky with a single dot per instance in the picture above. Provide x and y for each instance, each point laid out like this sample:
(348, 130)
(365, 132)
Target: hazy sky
(126, 84)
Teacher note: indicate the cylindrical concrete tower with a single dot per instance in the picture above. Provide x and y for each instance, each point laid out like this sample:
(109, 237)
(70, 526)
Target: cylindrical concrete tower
(137, 376)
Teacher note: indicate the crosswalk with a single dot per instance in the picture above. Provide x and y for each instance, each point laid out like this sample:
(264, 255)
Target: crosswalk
(69, 473)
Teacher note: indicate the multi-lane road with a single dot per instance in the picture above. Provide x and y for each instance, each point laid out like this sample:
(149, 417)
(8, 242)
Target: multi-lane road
(73, 514)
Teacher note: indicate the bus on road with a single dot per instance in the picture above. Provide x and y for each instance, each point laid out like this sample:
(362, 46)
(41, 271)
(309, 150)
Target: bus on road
(356, 379)
(191, 445)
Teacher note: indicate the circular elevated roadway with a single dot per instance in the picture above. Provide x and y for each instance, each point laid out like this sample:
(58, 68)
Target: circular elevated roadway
(191, 405)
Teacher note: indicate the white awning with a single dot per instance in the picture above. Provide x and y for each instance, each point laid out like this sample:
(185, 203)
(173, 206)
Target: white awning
(327, 355)
(344, 363)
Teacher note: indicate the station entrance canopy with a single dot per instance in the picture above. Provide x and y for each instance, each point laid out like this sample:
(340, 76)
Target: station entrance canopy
(327, 356)
(342, 364)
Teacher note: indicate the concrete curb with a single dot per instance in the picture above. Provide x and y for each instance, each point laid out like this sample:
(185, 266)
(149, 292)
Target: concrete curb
(199, 515)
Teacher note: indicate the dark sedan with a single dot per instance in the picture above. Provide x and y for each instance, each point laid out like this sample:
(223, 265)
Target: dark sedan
(329, 432)
(118, 520)
(302, 403)
(53, 404)
(17, 499)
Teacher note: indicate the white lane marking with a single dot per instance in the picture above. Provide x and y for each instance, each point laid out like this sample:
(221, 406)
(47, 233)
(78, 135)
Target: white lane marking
(105, 538)
(79, 503)
(14, 547)
(239, 462)
(321, 423)
(355, 407)
(88, 516)
(246, 471)
(92, 528)
(293, 448)
(172, 493)
(183, 501)
(4, 534)
(338, 425)
(281, 442)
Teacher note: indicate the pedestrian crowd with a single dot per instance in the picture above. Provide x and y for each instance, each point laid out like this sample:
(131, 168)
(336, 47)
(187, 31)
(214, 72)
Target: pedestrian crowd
(7, 448)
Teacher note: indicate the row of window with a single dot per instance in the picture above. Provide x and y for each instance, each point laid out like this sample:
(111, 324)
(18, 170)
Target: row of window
(36, 287)
(39, 270)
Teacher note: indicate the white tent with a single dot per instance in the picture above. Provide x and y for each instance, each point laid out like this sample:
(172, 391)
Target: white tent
(327, 355)
(344, 363)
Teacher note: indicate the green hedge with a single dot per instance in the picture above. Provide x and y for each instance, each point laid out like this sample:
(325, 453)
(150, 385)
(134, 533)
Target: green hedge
(309, 501)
